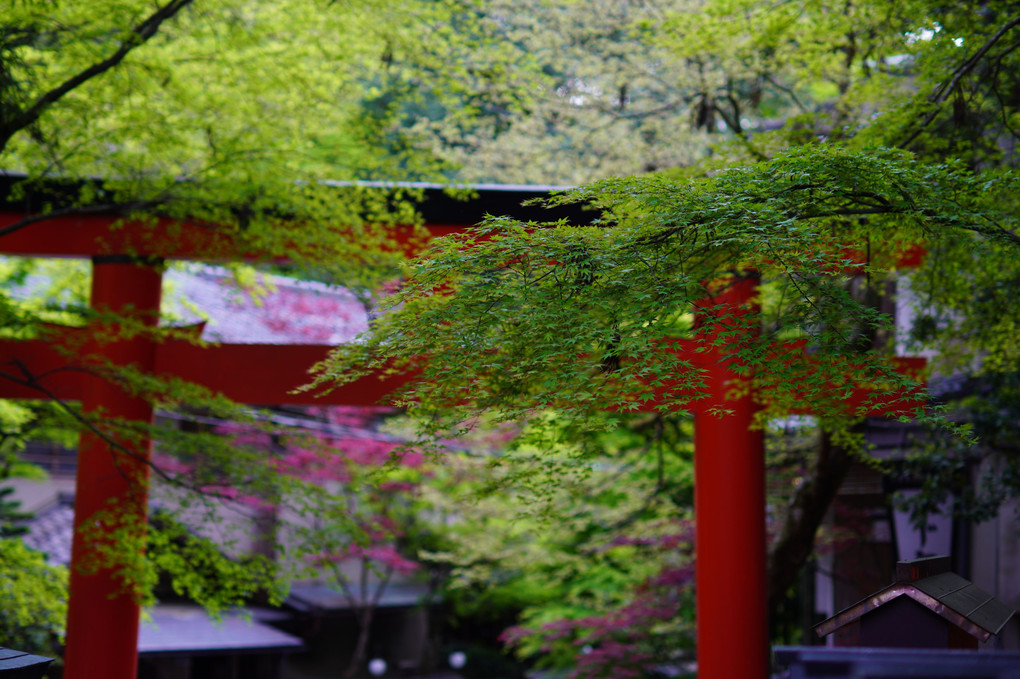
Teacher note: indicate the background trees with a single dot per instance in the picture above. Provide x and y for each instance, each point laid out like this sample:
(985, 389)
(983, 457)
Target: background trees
(34, 599)
(214, 111)
(590, 549)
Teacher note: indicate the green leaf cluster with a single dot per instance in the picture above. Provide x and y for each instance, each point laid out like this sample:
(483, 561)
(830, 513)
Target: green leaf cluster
(485, 316)
(564, 525)
(33, 599)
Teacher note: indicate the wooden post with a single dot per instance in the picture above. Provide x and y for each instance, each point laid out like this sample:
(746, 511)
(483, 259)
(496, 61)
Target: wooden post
(729, 508)
(102, 622)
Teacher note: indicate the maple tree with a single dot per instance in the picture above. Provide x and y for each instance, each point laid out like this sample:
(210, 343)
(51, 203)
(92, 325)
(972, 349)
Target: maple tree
(370, 537)
(33, 601)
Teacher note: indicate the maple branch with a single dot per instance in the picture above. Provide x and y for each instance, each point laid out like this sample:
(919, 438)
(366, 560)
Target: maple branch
(31, 381)
(138, 35)
(939, 96)
(75, 210)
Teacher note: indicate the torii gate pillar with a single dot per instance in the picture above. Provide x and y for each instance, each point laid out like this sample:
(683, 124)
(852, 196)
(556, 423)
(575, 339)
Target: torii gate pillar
(729, 510)
(102, 621)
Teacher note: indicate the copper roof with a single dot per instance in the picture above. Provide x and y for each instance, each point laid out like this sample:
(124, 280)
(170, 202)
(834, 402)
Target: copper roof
(952, 597)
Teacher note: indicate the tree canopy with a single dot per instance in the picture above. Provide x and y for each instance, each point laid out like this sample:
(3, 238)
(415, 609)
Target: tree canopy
(237, 115)
(484, 314)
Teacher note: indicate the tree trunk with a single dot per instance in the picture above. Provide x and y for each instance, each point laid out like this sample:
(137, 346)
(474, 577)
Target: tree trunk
(812, 499)
(795, 542)
(364, 617)
(364, 611)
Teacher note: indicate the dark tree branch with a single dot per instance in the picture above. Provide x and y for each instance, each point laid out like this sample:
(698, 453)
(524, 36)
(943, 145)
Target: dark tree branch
(788, 91)
(733, 122)
(32, 382)
(138, 36)
(76, 210)
(805, 513)
(1003, 117)
(942, 93)
(619, 114)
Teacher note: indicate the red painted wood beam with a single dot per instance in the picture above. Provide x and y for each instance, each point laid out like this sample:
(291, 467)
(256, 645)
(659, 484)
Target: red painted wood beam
(232, 369)
(729, 510)
(102, 620)
(88, 235)
(37, 369)
(262, 374)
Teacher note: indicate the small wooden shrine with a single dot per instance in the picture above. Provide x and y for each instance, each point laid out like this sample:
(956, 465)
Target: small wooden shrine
(927, 606)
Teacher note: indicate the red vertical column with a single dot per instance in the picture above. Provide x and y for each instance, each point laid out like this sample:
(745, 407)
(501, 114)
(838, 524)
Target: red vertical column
(729, 508)
(102, 621)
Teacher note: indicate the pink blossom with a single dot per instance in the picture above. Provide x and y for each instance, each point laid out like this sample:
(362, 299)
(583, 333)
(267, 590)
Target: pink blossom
(383, 555)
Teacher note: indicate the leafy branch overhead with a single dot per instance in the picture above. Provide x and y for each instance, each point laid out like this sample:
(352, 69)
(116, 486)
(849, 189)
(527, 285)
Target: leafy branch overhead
(240, 117)
(517, 316)
(17, 118)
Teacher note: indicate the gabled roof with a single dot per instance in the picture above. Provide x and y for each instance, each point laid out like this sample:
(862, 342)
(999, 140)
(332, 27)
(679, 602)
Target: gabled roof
(929, 582)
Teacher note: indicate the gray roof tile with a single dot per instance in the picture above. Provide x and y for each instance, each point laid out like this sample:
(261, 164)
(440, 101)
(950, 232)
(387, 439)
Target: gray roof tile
(51, 531)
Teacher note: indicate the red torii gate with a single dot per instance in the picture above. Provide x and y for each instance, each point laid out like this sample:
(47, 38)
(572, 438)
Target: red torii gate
(103, 622)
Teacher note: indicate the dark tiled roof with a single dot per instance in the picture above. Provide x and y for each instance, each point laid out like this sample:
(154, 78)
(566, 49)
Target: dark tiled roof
(438, 205)
(967, 599)
(322, 598)
(20, 664)
(51, 531)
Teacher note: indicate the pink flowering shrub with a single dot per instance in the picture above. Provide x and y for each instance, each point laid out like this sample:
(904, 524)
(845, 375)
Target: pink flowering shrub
(341, 448)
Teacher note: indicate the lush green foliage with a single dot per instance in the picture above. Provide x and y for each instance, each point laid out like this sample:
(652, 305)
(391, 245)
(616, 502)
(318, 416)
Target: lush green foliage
(598, 94)
(489, 309)
(590, 544)
(33, 599)
(234, 115)
(836, 135)
(832, 136)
